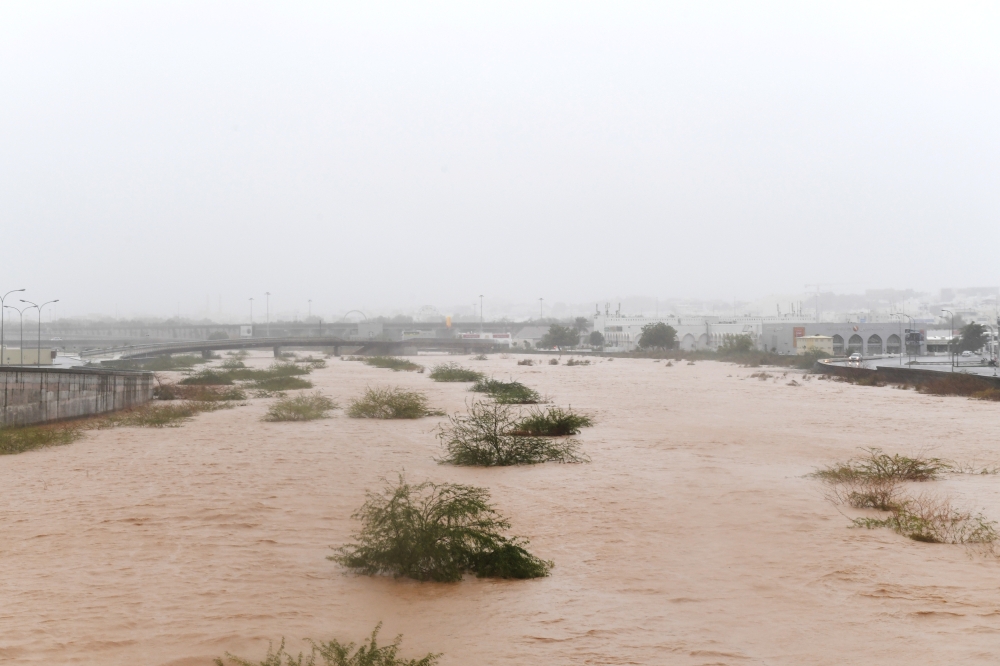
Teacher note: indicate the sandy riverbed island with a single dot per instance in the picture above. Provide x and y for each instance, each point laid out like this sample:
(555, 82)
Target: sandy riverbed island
(694, 535)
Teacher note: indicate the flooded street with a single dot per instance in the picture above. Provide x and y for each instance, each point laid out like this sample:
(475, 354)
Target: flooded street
(694, 535)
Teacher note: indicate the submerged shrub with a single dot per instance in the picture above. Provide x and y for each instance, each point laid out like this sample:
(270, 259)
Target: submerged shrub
(392, 363)
(436, 532)
(209, 377)
(492, 434)
(553, 361)
(280, 384)
(18, 439)
(335, 653)
(553, 422)
(583, 361)
(525, 361)
(876, 464)
(933, 520)
(512, 392)
(453, 372)
(300, 408)
(389, 403)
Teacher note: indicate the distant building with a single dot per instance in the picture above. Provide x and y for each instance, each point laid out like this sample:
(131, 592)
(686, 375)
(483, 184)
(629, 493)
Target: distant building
(873, 339)
(27, 356)
(814, 343)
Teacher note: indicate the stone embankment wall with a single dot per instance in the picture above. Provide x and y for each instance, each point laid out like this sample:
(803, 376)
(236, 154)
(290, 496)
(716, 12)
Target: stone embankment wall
(37, 395)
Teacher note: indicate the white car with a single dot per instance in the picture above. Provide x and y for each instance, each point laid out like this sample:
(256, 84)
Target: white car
(966, 353)
(854, 357)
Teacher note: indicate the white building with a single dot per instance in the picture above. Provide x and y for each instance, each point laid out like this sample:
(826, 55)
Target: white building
(622, 332)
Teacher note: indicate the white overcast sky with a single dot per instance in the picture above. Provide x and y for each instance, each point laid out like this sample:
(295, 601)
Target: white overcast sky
(388, 155)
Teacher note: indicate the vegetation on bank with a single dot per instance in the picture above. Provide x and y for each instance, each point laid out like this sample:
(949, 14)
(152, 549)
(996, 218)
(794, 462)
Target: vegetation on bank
(511, 393)
(335, 653)
(277, 377)
(300, 408)
(941, 383)
(18, 439)
(494, 434)
(390, 403)
(453, 372)
(436, 532)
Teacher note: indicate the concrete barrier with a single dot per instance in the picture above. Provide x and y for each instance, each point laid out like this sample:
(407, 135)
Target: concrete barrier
(900, 375)
(37, 395)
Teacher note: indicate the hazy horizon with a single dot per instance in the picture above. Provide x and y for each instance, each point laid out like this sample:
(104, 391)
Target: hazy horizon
(385, 157)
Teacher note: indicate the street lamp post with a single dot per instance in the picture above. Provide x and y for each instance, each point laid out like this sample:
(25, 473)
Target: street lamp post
(541, 314)
(951, 342)
(38, 349)
(267, 314)
(21, 315)
(251, 315)
(480, 313)
(13, 291)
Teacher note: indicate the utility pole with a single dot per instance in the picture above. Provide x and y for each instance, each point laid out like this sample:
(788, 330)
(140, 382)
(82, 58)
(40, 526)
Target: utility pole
(2, 306)
(251, 316)
(541, 314)
(267, 314)
(21, 315)
(480, 313)
(38, 350)
(309, 309)
(951, 341)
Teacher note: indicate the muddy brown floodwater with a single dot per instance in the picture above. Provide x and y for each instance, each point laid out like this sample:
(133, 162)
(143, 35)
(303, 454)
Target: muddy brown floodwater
(693, 537)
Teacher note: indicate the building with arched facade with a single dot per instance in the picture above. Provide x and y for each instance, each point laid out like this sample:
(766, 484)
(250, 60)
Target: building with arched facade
(866, 339)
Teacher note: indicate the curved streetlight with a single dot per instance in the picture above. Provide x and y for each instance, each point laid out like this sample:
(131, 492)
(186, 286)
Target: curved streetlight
(12, 291)
(38, 351)
(951, 341)
(21, 315)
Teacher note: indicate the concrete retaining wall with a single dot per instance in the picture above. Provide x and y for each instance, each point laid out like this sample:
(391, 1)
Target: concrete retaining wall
(36, 395)
(900, 375)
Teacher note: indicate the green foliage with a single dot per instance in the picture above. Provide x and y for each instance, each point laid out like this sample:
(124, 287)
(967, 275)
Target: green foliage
(278, 377)
(658, 336)
(973, 337)
(392, 363)
(736, 344)
(280, 384)
(552, 422)
(480, 357)
(559, 336)
(436, 532)
(525, 361)
(18, 439)
(493, 434)
(878, 465)
(574, 362)
(335, 653)
(209, 378)
(596, 339)
(453, 372)
(511, 393)
(390, 403)
(300, 408)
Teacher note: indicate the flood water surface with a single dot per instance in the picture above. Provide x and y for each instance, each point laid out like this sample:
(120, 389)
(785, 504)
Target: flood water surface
(694, 535)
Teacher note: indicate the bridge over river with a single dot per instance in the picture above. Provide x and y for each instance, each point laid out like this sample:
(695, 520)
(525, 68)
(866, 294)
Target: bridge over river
(205, 347)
